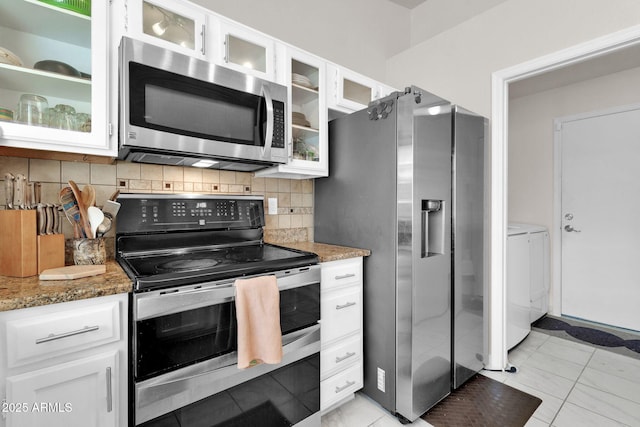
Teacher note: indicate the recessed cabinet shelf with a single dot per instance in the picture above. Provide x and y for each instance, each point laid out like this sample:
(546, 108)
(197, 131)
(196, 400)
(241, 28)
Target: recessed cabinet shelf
(28, 80)
(46, 21)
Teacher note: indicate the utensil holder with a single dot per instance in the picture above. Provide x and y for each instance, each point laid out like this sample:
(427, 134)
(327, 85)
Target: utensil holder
(89, 251)
(18, 244)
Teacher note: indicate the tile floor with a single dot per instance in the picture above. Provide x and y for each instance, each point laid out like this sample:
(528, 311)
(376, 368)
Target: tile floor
(579, 386)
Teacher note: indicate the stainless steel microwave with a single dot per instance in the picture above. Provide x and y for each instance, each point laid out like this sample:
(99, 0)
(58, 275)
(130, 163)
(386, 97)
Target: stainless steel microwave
(179, 110)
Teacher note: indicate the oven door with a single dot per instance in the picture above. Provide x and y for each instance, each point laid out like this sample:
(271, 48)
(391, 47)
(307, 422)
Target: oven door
(184, 339)
(173, 104)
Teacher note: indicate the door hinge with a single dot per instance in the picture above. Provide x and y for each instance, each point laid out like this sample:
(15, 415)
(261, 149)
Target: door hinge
(110, 129)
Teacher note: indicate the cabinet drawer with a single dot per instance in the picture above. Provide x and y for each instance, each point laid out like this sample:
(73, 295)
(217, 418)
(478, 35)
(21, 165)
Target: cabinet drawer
(339, 386)
(341, 313)
(343, 272)
(44, 336)
(340, 355)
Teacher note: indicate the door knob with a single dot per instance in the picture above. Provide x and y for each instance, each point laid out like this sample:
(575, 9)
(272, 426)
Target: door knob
(570, 229)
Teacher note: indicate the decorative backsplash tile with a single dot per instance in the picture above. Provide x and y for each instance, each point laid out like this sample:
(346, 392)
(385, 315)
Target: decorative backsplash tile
(293, 223)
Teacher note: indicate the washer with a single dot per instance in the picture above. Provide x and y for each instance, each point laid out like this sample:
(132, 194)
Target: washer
(527, 278)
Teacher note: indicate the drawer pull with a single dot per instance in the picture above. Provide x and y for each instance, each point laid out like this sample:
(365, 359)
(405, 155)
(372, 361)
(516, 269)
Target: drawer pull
(345, 357)
(53, 337)
(109, 391)
(344, 387)
(349, 304)
(345, 276)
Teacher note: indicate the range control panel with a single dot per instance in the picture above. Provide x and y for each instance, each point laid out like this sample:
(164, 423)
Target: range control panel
(150, 212)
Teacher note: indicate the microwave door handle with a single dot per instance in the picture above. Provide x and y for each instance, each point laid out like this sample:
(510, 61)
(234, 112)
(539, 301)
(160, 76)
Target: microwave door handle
(268, 137)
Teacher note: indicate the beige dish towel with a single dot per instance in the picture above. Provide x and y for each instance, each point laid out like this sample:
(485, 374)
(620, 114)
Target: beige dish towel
(258, 316)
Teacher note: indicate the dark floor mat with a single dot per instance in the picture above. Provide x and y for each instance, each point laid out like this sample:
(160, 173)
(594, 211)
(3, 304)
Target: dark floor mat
(483, 402)
(597, 335)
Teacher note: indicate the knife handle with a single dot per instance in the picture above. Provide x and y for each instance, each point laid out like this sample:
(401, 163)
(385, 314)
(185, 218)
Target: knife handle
(42, 219)
(18, 194)
(8, 189)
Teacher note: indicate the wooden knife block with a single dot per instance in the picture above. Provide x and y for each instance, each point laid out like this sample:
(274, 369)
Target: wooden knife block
(18, 243)
(50, 251)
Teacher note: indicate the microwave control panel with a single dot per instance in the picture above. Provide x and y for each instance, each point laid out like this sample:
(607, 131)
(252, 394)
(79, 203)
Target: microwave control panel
(278, 124)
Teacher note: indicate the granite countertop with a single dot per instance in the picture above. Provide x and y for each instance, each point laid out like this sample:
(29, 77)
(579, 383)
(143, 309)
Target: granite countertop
(327, 252)
(16, 292)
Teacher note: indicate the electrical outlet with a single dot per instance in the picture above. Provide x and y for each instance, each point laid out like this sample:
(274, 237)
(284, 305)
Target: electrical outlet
(381, 382)
(273, 206)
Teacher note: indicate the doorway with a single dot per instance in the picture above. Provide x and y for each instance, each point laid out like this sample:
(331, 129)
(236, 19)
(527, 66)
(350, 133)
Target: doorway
(598, 183)
(499, 165)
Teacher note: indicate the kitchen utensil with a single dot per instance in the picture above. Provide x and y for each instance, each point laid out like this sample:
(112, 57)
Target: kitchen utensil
(84, 220)
(95, 219)
(28, 195)
(41, 219)
(57, 222)
(56, 67)
(8, 189)
(104, 226)
(89, 195)
(50, 218)
(71, 210)
(19, 192)
(37, 192)
(71, 272)
(111, 208)
(8, 57)
(32, 109)
(114, 196)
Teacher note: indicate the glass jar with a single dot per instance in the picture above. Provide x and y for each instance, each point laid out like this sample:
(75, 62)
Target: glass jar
(32, 110)
(63, 117)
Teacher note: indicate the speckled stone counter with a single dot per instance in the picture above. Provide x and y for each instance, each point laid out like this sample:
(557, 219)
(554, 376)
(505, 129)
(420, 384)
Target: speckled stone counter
(16, 293)
(328, 252)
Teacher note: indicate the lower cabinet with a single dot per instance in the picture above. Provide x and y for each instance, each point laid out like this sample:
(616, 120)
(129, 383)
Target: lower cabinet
(65, 364)
(341, 357)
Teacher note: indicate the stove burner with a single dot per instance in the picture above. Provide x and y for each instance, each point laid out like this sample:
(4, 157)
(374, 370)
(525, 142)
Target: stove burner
(186, 264)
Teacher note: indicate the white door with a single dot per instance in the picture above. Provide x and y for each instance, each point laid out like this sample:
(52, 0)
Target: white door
(600, 208)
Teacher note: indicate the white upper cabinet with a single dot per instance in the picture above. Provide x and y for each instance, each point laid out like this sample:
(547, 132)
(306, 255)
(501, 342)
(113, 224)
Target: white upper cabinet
(350, 91)
(171, 24)
(304, 74)
(242, 49)
(54, 106)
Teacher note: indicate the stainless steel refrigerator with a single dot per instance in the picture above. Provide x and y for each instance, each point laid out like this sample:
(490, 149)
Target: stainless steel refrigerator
(407, 182)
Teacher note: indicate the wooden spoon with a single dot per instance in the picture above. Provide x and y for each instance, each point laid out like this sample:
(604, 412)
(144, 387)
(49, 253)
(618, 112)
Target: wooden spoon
(84, 219)
(89, 196)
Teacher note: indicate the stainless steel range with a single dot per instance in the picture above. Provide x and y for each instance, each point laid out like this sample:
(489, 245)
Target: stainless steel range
(184, 253)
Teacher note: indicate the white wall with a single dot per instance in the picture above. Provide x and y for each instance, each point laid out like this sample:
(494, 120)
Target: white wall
(531, 146)
(358, 34)
(457, 64)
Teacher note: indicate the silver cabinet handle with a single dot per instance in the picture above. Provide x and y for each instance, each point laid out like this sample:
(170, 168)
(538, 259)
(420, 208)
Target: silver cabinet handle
(344, 387)
(345, 276)
(203, 49)
(349, 304)
(53, 337)
(109, 391)
(345, 357)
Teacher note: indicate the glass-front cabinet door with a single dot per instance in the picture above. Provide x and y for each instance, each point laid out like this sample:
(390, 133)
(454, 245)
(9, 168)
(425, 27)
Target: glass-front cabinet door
(171, 24)
(350, 91)
(304, 74)
(53, 76)
(245, 50)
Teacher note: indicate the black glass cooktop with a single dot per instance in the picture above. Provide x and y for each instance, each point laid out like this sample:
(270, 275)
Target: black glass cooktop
(194, 266)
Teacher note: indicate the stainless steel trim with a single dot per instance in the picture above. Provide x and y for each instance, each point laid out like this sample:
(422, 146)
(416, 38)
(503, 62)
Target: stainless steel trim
(174, 300)
(53, 337)
(136, 196)
(109, 390)
(174, 390)
(204, 38)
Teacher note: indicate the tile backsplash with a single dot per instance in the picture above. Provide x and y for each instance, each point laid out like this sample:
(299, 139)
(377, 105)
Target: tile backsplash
(293, 223)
